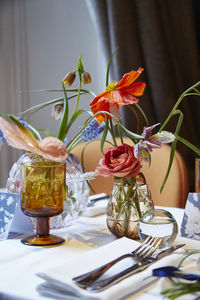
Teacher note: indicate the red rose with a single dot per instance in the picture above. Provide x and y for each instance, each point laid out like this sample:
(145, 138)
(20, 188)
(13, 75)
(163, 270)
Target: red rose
(119, 161)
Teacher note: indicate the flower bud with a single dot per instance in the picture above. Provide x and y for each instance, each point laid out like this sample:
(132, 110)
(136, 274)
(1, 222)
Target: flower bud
(57, 110)
(69, 78)
(86, 78)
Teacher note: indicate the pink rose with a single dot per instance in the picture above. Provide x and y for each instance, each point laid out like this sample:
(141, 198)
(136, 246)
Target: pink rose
(119, 161)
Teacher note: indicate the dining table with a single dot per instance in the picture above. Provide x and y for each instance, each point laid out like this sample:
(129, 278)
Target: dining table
(88, 244)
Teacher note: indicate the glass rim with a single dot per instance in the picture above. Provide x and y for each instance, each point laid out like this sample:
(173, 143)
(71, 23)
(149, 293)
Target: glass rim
(43, 164)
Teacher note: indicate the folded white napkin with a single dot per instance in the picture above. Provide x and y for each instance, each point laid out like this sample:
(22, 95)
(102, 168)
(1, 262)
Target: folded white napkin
(90, 260)
(97, 205)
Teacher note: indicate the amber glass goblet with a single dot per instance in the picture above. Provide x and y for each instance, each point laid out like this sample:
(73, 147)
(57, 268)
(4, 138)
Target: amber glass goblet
(42, 196)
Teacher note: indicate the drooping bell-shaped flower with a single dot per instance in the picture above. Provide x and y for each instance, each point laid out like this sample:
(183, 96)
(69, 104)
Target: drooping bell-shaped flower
(69, 78)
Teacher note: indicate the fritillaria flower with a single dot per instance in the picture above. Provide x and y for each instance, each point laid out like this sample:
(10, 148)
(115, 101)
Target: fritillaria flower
(57, 110)
(86, 78)
(165, 137)
(145, 146)
(118, 94)
(69, 78)
(49, 148)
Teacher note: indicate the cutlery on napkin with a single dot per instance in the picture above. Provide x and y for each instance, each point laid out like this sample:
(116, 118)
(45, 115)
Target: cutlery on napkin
(92, 259)
(139, 265)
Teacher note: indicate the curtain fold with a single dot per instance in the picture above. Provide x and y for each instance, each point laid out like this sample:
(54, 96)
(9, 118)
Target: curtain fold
(163, 38)
(14, 73)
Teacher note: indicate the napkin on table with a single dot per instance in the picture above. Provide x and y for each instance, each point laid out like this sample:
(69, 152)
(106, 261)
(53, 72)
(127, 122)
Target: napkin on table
(90, 260)
(97, 205)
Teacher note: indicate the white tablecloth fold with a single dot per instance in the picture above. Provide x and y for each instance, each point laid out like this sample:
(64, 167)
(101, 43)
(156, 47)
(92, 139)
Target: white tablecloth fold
(100, 256)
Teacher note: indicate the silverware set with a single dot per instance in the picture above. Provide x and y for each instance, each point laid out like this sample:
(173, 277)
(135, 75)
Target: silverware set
(142, 258)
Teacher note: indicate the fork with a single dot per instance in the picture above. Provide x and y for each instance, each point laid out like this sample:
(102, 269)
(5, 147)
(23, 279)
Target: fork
(144, 252)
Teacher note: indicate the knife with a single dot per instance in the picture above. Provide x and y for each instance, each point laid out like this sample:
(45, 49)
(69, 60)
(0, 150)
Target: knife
(96, 198)
(138, 267)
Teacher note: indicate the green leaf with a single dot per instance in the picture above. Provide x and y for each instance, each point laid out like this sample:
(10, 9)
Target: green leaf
(109, 63)
(4, 114)
(140, 115)
(47, 132)
(61, 90)
(35, 132)
(188, 144)
(173, 148)
(73, 118)
(130, 133)
(64, 121)
(31, 110)
(184, 94)
(186, 256)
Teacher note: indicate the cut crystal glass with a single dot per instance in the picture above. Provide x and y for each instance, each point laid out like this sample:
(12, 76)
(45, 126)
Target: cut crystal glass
(77, 191)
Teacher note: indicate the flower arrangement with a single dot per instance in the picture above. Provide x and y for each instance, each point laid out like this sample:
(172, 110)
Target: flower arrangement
(121, 161)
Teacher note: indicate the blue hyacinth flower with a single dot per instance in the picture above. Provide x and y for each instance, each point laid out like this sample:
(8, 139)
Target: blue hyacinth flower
(2, 138)
(92, 131)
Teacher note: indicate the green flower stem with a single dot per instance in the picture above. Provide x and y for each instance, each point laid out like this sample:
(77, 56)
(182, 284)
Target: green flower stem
(73, 142)
(79, 90)
(134, 195)
(186, 93)
(179, 289)
(131, 135)
(120, 133)
(128, 206)
(126, 197)
(127, 216)
(112, 132)
(137, 204)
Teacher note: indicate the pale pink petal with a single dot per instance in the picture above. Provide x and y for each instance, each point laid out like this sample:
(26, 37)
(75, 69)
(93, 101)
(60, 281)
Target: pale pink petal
(49, 148)
(16, 138)
(53, 148)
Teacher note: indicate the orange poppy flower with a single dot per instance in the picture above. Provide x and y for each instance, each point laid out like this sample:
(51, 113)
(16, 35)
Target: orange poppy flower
(49, 148)
(118, 94)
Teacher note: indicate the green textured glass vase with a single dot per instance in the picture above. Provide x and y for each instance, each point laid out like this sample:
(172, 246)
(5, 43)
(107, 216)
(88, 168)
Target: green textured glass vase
(130, 198)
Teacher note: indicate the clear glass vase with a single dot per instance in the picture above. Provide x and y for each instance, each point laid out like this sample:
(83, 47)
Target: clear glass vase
(77, 192)
(130, 198)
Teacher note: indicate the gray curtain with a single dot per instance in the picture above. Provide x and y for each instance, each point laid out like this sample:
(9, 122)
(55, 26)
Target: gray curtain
(162, 36)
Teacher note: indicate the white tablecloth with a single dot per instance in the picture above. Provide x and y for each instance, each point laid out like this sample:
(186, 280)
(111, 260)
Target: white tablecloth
(19, 263)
